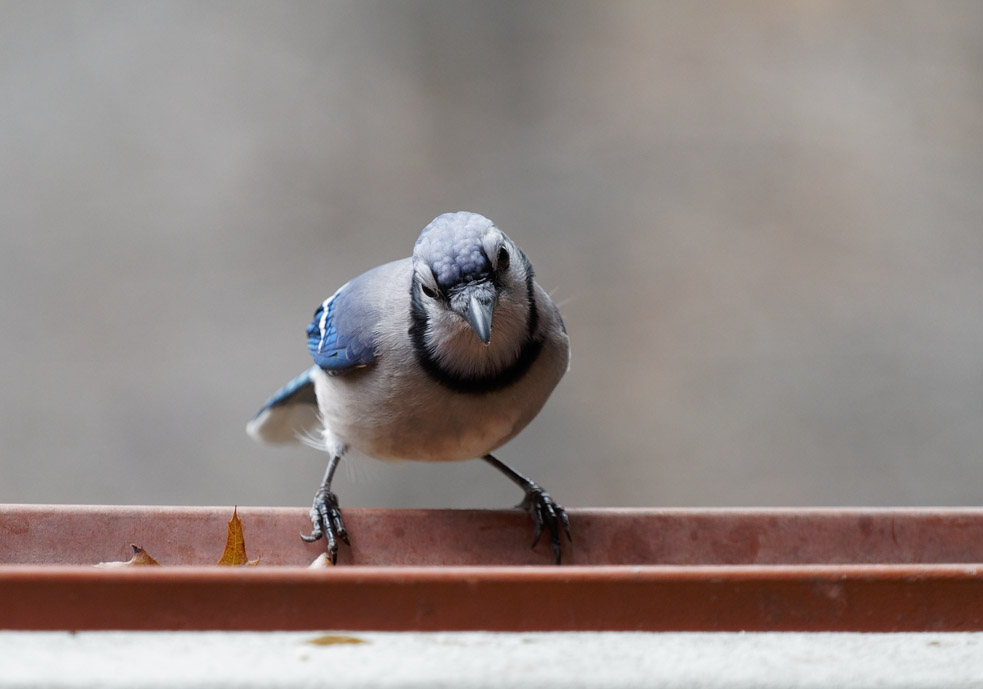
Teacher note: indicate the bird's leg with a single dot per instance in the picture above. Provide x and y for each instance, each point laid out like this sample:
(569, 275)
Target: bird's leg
(544, 510)
(325, 514)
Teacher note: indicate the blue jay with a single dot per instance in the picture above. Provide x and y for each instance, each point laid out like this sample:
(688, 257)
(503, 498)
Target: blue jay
(443, 356)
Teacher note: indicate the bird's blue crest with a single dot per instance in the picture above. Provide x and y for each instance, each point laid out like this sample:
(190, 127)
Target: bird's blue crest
(452, 245)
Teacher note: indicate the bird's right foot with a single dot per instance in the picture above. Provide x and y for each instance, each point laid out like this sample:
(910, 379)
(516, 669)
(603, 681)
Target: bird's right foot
(546, 513)
(327, 522)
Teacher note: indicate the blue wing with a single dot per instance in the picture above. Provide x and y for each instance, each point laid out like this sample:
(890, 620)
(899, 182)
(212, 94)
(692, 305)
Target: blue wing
(341, 338)
(341, 334)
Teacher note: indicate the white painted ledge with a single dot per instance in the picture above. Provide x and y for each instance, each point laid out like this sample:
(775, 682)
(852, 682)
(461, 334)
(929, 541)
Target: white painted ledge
(478, 659)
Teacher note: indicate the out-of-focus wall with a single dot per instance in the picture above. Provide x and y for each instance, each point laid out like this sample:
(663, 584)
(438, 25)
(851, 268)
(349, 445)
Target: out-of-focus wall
(763, 222)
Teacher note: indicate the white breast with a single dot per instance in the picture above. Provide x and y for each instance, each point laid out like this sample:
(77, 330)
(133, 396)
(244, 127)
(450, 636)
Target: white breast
(392, 411)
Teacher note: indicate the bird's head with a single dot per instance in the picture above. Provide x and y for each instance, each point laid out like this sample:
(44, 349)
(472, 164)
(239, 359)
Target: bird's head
(473, 285)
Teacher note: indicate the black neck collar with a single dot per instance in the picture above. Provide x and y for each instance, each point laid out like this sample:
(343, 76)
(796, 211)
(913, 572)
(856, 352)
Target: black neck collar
(481, 384)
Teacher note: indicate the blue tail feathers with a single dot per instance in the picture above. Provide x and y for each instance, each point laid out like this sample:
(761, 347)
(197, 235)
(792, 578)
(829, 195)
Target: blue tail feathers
(300, 390)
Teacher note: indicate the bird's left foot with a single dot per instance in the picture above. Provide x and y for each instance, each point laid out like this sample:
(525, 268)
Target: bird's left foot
(546, 513)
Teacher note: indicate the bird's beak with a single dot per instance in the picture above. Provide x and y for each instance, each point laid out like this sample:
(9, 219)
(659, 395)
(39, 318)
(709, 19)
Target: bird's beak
(478, 314)
(475, 303)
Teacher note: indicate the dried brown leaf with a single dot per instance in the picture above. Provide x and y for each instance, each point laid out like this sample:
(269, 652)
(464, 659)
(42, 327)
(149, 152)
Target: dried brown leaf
(334, 639)
(140, 558)
(234, 554)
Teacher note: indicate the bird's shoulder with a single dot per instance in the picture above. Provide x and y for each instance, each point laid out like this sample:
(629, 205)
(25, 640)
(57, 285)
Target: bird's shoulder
(341, 335)
(549, 313)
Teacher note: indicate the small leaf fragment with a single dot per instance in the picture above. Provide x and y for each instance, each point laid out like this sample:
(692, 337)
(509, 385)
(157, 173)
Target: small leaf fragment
(334, 640)
(322, 561)
(140, 558)
(235, 544)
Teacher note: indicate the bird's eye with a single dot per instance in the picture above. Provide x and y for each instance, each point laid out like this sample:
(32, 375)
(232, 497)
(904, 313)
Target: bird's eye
(429, 292)
(503, 259)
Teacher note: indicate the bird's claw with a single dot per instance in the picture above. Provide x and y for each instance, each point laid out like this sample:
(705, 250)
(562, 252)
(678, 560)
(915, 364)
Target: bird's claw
(327, 522)
(548, 513)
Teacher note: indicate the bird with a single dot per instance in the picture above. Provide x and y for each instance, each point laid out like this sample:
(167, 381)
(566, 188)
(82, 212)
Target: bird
(442, 356)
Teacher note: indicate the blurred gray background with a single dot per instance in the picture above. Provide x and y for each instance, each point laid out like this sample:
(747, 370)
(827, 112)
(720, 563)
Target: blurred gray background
(763, 222)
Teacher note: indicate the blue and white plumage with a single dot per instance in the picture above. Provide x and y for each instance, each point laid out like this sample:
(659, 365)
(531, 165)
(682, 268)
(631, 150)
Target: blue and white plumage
(442, 356)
